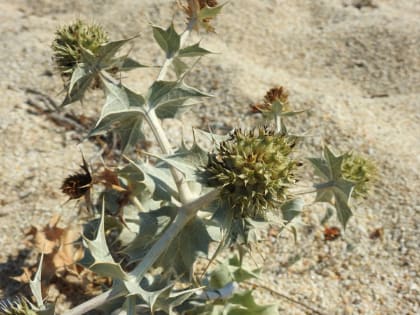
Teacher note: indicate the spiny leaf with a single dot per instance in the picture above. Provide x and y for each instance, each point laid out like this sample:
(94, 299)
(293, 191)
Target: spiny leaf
(193, 51)
(292, 208)
(193, 241)
(125, 63)
(137, 181)
(107, 51)
(90, 67)
(335, 190)
(150, 226)
(119, 97)
(334, 163)
(122, 112)
(231, 270)
(188, 161)
(103, 263)
(180, 67)
(169, 299)
(108, 269)
(35, 285)
(156, 179)
(248, 306)
(168, 40)
(241, 303)
(168, 97)
(79, 83)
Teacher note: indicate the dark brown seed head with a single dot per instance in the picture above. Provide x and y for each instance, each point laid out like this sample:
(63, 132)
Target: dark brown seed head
(77, 185)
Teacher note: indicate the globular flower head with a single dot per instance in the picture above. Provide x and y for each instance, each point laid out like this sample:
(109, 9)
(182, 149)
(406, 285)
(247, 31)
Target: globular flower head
(359, 171)
(254, 169)
(69, 41)
(19, 306)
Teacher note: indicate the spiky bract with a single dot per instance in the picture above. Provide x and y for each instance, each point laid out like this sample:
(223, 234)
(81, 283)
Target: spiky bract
(77, 185)
(19, 306)
(254, 168)
(275, 94)
(359, 171)
(69, 41)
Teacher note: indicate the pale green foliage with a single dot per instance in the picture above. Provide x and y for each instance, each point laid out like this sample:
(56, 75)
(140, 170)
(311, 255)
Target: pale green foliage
(335, 189)
(160, 213)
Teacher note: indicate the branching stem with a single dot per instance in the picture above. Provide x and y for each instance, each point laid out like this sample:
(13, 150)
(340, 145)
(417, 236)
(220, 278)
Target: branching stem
(95, 302)
(185, 193)
(185, 214)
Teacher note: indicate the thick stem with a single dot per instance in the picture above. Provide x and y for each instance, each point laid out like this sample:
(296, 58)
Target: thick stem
(156, 126)
(185, 194)
(223, 293)
(185, 214)
(94, 302)
(277, 121)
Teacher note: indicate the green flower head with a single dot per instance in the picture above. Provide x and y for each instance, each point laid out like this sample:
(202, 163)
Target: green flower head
(360, 171)
(70, 39)
(254, 169)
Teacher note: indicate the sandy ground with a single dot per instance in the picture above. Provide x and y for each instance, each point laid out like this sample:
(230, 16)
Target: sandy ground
(355, 65)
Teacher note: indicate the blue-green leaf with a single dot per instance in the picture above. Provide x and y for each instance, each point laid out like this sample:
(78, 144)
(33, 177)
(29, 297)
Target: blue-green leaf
(193, 51)
(335, 189)
(80, 81)
(168, 40)
(292, 208)
(180, 67)
(122, 112)
(103, 263)
(169, 97)
(125, 63)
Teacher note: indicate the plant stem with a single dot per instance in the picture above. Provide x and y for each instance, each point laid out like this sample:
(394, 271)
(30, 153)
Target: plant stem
(185, 194)
(223, 293)
(185, 214)
(95, 302)
(169, 60)
(277, 121)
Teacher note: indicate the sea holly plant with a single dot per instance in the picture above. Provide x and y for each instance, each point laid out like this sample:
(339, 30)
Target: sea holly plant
(162, 221)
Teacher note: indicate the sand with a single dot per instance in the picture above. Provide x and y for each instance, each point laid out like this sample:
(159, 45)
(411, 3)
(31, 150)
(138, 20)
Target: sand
(354, 65)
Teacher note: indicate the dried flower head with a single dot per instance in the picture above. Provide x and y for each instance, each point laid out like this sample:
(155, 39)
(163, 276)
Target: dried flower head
(19, 306)
(254, 169)
(276, 94)
(359, 171)
(193, 8)
(78, 185)
(69, 41)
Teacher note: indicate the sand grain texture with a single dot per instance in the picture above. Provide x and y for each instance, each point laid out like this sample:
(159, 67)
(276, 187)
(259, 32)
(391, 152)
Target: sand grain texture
(354, 66)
